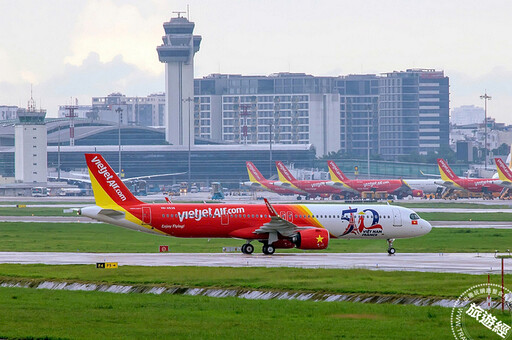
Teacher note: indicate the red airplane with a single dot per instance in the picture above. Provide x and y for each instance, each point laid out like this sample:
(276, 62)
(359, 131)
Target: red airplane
(453, 182)
(257, 181)
(396, 187)
(304, 226)
(313, 188)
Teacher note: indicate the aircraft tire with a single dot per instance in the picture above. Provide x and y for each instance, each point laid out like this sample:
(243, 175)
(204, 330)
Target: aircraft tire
(268, 249)
(391, 251)
(249, 248)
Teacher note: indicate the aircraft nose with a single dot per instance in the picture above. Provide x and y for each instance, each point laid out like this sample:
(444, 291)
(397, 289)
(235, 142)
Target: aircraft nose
(426, 227)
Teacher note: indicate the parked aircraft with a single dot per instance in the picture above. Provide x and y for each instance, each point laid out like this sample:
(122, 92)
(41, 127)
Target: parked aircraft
(453, 182)
(505, 175)
(391, 186)
(276, 226)
(313, 188)
(257, 181)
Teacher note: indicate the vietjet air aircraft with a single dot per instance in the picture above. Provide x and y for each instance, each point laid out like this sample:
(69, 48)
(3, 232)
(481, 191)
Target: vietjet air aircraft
(391, 186)
(313, 188)
(276, 226)
(257, 181)
(453, 182)
(505, 175)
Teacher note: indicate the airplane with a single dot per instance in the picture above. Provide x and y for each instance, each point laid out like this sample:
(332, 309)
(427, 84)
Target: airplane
(276, 226)
(313, 188)
(505, 175)
(396, 187)
(453, 182)
(257, 181)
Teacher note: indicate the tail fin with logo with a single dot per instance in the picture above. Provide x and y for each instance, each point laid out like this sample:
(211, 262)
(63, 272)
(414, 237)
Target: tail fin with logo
(255, 175)
(109, 191)
(285, 175)
(336, 174)
(446, 172)
(504, 171)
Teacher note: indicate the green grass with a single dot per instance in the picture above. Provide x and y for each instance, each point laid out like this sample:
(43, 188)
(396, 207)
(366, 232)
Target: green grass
(451, 205)
(448, 216)
(33, 211)
(96, 315)
(360, 281)
(97, 237)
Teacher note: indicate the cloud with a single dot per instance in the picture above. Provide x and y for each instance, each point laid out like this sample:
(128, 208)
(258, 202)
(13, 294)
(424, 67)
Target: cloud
(111, 28)
(93, 78)
(466, 89)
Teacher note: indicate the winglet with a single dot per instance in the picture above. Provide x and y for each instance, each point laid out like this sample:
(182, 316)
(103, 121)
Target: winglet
(504, 171)
(270, 208)
(447, 173)
(336, 174)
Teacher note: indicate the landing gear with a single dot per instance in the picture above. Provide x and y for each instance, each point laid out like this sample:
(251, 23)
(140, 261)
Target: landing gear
(247, 248)
(299, 197)
(268, 249)
(391, 250)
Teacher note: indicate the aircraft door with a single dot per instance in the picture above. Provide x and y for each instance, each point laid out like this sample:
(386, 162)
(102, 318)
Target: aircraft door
(146, 215)
(290, 216)
(224, 219)
(397, 218)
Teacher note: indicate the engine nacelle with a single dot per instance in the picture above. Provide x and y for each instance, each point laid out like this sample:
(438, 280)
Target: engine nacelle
(417, 193)
(316, 238)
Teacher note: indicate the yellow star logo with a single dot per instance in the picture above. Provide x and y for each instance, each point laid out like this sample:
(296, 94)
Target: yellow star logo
(319, 239)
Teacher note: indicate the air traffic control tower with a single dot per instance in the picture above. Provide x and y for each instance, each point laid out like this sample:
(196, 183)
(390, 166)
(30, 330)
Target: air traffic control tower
(177, 52)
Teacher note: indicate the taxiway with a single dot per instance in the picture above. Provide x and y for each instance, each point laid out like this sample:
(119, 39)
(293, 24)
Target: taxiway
(469, 263)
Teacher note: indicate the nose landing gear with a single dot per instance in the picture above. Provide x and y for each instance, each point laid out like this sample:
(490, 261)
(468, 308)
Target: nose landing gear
(391, 250)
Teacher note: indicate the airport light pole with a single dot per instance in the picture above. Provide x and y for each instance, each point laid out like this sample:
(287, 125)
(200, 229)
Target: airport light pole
(119, 112)
(485, 97)
(190, 131)
(270, 142)
(369, 123)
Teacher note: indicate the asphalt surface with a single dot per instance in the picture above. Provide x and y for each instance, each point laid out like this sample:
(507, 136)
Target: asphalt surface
(423, 262)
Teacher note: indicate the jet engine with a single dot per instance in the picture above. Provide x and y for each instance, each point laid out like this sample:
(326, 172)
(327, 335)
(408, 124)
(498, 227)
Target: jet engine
(417, 193)
(315, 238)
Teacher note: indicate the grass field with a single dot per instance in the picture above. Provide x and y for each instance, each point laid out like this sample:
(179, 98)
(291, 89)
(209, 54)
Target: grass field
(95, 315)
(33, 211)
(96, 237)
(360, 281)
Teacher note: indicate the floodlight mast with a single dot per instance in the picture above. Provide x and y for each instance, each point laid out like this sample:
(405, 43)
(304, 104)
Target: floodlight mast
(485, 97)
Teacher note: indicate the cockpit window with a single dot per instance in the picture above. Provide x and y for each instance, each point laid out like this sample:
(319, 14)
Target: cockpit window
(414, 216)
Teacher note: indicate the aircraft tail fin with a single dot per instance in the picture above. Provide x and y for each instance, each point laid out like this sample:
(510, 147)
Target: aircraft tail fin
(504, 171)
(446, 172)
(108, 189)
(336, 174)
(284, 174)
(255, 175)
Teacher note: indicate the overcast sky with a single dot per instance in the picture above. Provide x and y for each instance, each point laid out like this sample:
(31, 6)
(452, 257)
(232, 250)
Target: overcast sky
(91, 48)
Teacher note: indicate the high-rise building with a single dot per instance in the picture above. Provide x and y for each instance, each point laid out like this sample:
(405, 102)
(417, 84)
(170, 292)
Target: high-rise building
(467, 115)
(286, 108)
(177, 52)
(413, 112)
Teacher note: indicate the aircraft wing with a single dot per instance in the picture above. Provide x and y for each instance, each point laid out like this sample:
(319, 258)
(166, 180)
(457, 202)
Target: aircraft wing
(70, 179)
(448, 184)
(151, 176)
(430, 175)
(277, 224)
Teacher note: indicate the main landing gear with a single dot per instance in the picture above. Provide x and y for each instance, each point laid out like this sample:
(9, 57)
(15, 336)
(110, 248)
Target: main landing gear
(267, 249)
(391, 250)
(247, 248)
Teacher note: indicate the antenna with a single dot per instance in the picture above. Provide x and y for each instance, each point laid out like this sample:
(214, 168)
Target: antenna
(188, 12)
(179, 13)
